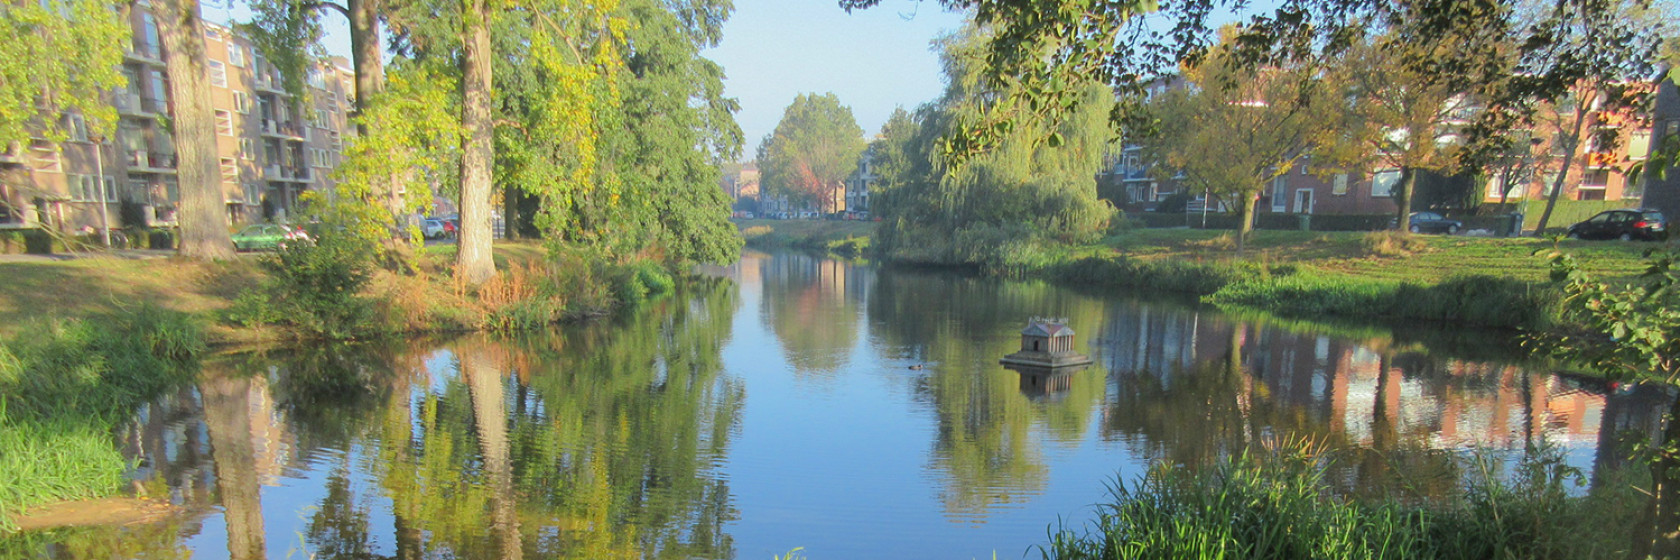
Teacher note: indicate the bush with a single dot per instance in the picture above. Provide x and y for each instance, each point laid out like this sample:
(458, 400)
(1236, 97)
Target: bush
(37, 242)
(849, 247)
(316, 288)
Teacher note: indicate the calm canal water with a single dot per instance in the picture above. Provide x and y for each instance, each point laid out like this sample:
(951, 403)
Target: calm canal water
(804, 402)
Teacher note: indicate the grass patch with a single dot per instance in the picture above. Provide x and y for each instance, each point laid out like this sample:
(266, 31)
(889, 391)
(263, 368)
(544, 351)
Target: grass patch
(816, 235)
(65, 383)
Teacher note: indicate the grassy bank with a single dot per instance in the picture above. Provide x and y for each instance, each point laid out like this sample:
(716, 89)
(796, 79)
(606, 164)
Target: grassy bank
(89, 340)
(843, 237)
(1282, 505)
(65, 386)
(1461, 280)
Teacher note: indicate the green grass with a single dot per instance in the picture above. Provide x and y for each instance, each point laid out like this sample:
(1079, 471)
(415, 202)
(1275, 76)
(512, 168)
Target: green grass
(66, 383)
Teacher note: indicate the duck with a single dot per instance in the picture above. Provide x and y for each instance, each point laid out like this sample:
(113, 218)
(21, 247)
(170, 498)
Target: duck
(916, 367)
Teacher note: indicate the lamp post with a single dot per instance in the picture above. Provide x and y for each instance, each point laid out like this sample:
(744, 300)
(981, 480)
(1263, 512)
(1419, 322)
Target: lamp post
(99, 179)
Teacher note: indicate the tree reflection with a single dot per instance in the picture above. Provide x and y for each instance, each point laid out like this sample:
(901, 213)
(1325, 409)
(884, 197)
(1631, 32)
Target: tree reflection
(811, 306)
(592, 442)
(989, 443)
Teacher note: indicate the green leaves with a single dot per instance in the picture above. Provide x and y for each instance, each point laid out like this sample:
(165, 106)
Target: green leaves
(812, 150)
(1627, 333)
(59, 56)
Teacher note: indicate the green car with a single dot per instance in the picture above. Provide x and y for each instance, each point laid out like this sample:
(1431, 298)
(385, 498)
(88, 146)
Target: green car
(267, 236)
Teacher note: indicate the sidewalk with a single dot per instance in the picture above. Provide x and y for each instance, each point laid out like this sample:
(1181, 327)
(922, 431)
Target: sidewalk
(129, 254)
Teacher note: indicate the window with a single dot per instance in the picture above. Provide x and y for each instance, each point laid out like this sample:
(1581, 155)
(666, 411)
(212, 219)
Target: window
(1382, 184)
(1339, 184)
(77, 127)
(218, 73)
(236, 55)
(247, 149)
(224, 122)
(242, 102)
(1280, 195)
(110, 188)
(253, 194)
(230, 170)
(47, 157)
(1595, 178)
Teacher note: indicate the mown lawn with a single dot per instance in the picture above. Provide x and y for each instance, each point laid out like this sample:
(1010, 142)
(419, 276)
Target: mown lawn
(1425, 259)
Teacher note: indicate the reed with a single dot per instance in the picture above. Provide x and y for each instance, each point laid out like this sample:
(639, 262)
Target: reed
(1277, 504)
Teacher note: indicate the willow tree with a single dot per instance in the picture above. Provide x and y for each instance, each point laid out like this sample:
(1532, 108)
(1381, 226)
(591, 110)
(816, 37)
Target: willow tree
(1234, 130)
(811, 151)
(1036, 186)
(203, 215)
(59, 56)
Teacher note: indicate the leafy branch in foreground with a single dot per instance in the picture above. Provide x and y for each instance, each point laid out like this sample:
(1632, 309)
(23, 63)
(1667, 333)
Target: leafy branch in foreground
(1632, 334)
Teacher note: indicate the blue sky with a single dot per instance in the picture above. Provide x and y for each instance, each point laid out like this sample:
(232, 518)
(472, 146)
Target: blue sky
(874, 60)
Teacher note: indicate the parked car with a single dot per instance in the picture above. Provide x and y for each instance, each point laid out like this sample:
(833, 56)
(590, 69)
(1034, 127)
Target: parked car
(267, 236)
(1626, 225)
(451, 227)
(1430, 222)
(432, 228)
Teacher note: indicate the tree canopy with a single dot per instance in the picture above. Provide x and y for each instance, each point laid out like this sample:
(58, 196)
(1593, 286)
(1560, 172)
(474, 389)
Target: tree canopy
(814, 147)
(1000, 208)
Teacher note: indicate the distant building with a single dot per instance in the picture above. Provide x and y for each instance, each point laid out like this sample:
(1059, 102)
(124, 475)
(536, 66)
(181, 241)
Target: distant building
(860, 183)
(271, 146)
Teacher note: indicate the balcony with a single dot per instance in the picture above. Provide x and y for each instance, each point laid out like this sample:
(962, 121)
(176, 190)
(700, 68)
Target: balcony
(143, 52)
(151, 162)
(288, 174)
(287, 130)
(129, 104)
(266, 83)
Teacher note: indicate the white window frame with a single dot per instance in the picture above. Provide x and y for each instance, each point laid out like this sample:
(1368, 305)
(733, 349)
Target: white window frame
(230, 170)
(236, 54)
(242, 102)
(218, 73)
(224, 122)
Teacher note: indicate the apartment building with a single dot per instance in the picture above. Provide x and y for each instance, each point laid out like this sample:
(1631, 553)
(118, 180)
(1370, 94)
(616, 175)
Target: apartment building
(1596, 170)
(272, 145)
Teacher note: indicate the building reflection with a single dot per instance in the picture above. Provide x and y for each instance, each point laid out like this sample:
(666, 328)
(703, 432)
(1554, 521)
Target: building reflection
(1361, 392)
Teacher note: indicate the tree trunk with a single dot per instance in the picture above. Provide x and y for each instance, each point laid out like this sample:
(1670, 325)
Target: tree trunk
(1660, 536)
(203, 213)
(364, 51)
(1245, 219)
(1403, 215)
(1570, 142)
(472, 259)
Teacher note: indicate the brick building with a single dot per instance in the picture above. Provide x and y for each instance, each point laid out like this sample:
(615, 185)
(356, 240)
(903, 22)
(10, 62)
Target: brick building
(272, 145)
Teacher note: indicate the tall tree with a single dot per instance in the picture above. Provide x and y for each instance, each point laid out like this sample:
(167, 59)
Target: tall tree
(203, 216)
(679, 131)
(1234, 130)
(814, 147)
(1406, 115)
(59, 56)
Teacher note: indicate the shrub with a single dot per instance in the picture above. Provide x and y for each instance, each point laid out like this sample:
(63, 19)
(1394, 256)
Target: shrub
(849, 247)
(1391, 244)
(316, 287)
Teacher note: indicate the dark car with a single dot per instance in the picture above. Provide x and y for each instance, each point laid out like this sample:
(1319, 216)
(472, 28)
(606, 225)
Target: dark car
(1626, 225)
(1430, 222)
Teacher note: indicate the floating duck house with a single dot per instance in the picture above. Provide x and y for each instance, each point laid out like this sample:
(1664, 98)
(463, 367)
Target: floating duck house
(1046, 344)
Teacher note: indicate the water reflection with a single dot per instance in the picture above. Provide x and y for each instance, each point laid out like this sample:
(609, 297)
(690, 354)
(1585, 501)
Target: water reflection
(633, 438)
